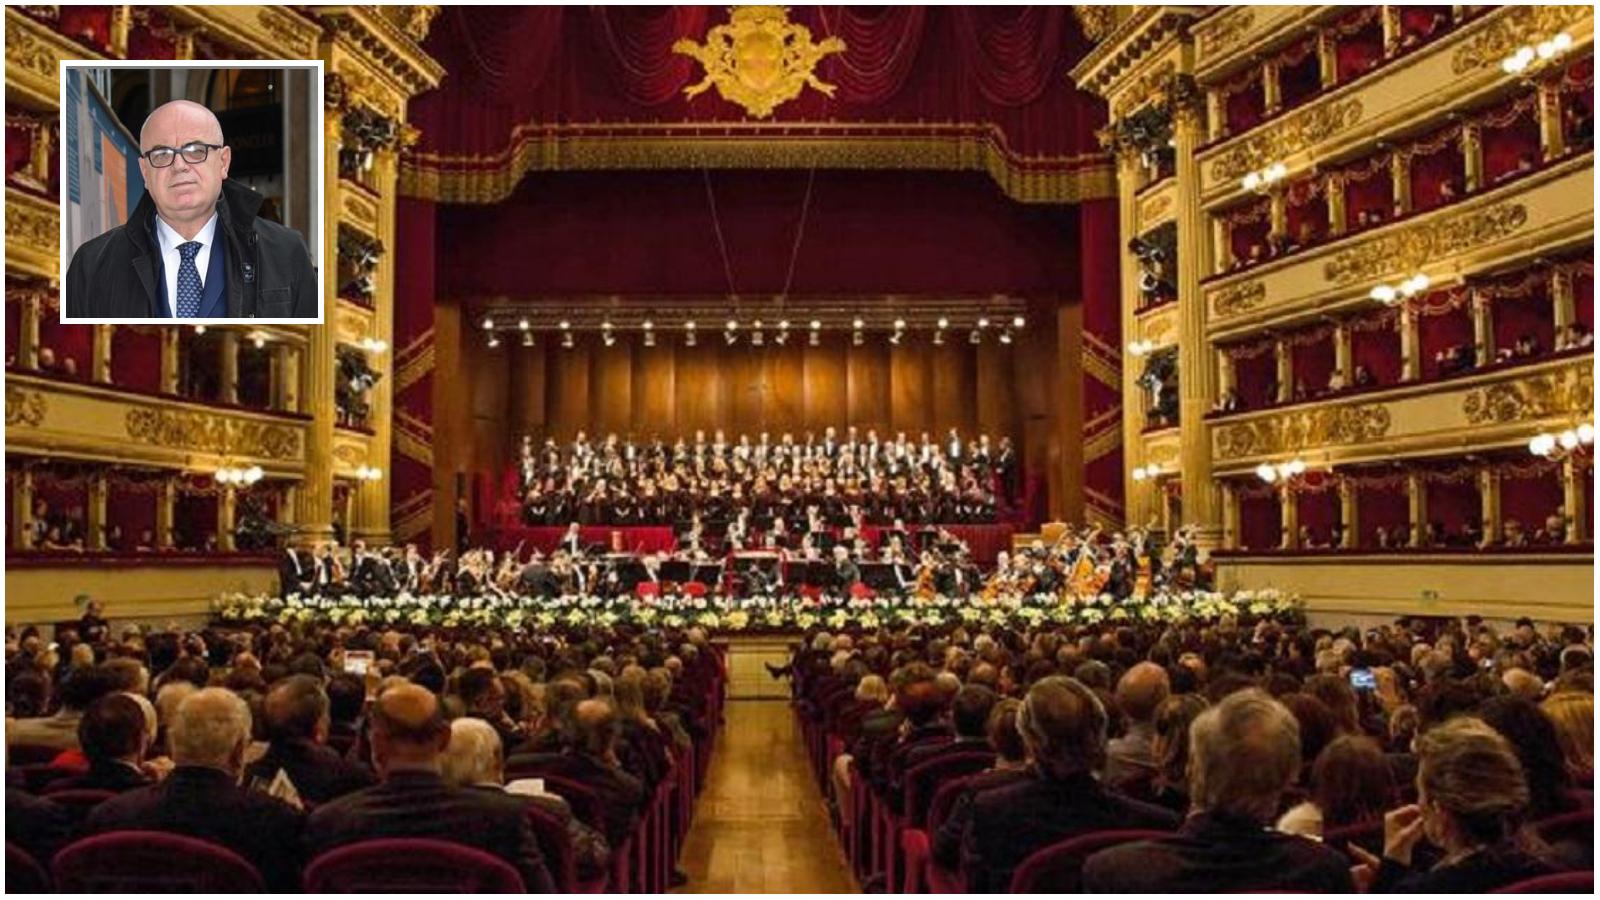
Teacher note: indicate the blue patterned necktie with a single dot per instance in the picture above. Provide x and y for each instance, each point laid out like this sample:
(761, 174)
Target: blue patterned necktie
(188, 281)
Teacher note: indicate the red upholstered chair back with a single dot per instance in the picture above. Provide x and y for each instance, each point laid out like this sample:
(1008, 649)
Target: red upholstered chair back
(24, 875)
(1569, 829)
(556, 845)
(410, 865)
(79, 801)
(1559, 883)
(1058, 868)
(924, 780)
(30, 754)
(152, 862)
(944, 798)
(581, 798)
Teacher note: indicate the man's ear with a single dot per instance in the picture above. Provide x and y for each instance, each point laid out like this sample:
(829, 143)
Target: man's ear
(227, 159)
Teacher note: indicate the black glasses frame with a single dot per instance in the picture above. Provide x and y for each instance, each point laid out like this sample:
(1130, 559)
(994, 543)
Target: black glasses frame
(204, 149)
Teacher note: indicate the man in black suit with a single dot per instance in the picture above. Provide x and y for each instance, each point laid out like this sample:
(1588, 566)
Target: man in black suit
(114, 737)
(296, 712)
(1010, 767)
(1064, 728)
(409, 735)
(202, 797)
(592, 762)
(295, 574)
(36, 824)
(969, 715)
(1244, 752)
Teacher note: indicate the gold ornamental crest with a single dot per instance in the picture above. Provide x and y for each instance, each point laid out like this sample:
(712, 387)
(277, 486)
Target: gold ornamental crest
(759, 59)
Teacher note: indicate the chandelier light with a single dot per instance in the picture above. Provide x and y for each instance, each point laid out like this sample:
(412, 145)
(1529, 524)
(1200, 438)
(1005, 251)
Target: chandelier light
(1563, 444)
(1272, 473)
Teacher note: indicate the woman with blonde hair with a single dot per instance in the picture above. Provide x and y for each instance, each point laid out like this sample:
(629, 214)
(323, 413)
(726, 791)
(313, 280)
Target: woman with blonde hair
(1573, 715)
(1471, 799)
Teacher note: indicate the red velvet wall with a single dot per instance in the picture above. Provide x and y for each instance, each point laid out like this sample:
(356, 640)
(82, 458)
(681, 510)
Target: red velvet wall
(1431, 170)
(1379, 350)
(134, 511)
(1454, 503)
(1516, 317)
(1530, 497)
(1319, 512)
(1254, 377)
(1381, 506)
(1439, 332)
(1260, 521)
(1362, 48)
(1517, 138)
(653, 233)
(1313, 364)
(1583, 298)
(136, 359)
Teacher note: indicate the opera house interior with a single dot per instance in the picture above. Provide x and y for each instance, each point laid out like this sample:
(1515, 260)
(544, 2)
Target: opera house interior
(760, 449)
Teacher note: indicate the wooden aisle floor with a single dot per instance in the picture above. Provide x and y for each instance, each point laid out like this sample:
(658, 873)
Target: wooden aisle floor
(761, 825)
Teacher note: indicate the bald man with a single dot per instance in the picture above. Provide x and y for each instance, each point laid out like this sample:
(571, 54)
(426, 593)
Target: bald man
(409, 736)
(1140, 691)
(194, 246)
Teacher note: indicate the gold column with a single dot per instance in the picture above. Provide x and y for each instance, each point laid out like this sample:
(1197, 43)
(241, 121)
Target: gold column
(1338, 217)
(22, 509)
(314, 498)
(1216, 115)
(1577, 501)
(1222, 248)
(1391, 30)
(1227, 374)
(371, 513)
(1138, 502)
(1482, 329)
(227, 507)
(121, 24)
(1271, 90)
(95, 512)
(1343, 358)
(1417, 494)
(1289, 517)
(1327, 59)
(166, 512)
(1278, 212)
(169, 359)
(28, 332)
(1284, 356)
(100, 354)
(1230, 515)
(1400, 175)
(288, 360)
(286, 504)
(1197, 376)
(1489, 495)
(1349, 514)
(228, 365)
(1410, 344)
(41, 161)
(1562, 299)
(1551, 137)
(1472, 156)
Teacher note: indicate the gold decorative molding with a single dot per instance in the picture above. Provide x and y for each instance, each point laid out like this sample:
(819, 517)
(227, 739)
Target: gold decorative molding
(759, 145)
(1155, 209)
(1238, 298)
(1410, 247)
(409, 446)
(33, 235)
(359, 210)
(1302, 429)
(24, 407)
(413, 368)
(290, 30)
(1277, 141)
(1218, 35)
(1098, 21)
(32, 53)
(211, 433)
(1148, 88)
(1565, 392)
(1514, 29)
(759, 59)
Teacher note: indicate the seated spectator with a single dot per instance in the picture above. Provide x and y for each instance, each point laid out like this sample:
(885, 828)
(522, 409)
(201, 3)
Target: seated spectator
(484, 697)
(1245, 754)
(1471, 798)
(1363, 377)
(202, 797)
(1533, 739)
(641, 747)
(37, 825)
(1336, 382)
(1129, 757)
(591, 760)
(114, 735)
(1168, 786)
(1350, 783)
(409, 736)
(1572, 714)
(1228, 402)
(1010, 766)
(80, 688)
(969, 719)
(296, 714)
(1063, 725)
(1574, 336)
(475, 759)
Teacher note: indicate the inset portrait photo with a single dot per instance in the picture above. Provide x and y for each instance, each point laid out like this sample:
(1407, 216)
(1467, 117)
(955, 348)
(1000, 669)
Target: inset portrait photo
(192, 191)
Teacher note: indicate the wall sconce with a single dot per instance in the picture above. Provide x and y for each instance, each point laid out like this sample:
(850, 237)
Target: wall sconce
(1563, 445)
(1141, 348)
(1284, 471)
(368, 473)
(1262, 180)
(1147, 473)
(1389, 295)
(239, 477)
(1543, 52)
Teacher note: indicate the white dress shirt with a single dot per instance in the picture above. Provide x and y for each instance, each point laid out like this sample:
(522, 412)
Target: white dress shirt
(171, 259)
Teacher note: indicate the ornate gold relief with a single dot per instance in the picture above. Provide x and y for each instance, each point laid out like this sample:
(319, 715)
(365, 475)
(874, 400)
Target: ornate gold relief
(1224, 31)
(1295, 133)
(1410, 247)
(33, 234)
(1303, 429)
(361, 209)
(1562, 393)
(1238, 298)
(211, 433)
(289, 30)
(759, 59)
(415, 21)
(24, 407)
(1150, 87)
(1512, 30)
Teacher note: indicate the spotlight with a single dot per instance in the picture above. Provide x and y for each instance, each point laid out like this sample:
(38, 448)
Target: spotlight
(260, 340)
(523, 324)
(816, 325)
(983, 323)
(1384, 293)
(733, 325)
(1018, 322)
(857, 323)
(899, 324)
(564, 325)
(488, 323)
(783, 324)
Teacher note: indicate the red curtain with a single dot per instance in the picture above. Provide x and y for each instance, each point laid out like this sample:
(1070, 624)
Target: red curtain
(1260, 520)
(1451, 328)
(90, 24)
(1360, 42)
(1248, 227)
(1525, 312)
(136, 359)
(1375, 345)
(1424, 23)
(1319, 512)
(19, 147)
(882, 47)
(1245, 105)
(1256, 378)
(638, 41)
(1306, 211)
(1386, 506)
(1299, 74)
(1454, 503)
(1435, 161)
(1010, 51)
(1368, 187)
(1313, 363)
(132, 510)
(1510, 135)
(1583, 298)
(1529, 493)
(74, 342)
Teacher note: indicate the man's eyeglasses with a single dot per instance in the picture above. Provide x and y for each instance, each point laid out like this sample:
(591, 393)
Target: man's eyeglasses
(194, 153)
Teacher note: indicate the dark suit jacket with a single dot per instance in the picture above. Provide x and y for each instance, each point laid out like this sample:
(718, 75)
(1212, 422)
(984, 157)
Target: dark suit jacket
(268, 270)
(318, 772)
(1480, 873)
(947, 840)
(877, 727)
(622, 796)
(105, 775)
(1009, 823)
(421, 805)
(206, 804)
(1214, 853)
(37, 825)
